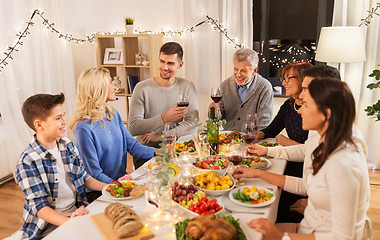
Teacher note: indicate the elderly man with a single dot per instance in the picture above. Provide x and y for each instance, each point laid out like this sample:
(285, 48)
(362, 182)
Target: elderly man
(246, 92)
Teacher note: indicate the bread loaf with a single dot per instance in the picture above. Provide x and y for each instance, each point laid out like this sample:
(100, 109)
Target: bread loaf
(125, 221)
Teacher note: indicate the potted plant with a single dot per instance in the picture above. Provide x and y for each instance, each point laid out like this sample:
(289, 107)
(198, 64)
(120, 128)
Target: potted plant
(129, 25)
(374, 110)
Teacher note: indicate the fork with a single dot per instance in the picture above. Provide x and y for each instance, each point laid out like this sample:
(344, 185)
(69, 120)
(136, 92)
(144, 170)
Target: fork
(141, 176)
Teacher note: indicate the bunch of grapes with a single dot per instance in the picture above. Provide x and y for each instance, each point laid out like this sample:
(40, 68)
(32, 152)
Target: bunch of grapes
(186, 195)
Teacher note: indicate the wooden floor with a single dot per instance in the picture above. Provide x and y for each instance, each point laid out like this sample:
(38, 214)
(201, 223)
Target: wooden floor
(12, 200)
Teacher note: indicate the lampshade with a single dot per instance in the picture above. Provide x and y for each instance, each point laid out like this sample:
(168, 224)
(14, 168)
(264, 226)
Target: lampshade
(341, 45)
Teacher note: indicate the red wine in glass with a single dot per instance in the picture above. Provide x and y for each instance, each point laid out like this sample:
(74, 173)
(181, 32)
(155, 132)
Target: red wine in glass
(216, 98)
(235, 159)
(249, 138)
(183, 104)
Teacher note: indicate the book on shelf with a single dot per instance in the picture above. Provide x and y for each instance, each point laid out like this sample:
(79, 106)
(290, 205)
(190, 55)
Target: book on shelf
(132, 81)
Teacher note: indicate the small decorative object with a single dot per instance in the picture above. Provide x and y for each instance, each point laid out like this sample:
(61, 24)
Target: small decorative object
(129, 28)
(113, 56)
(145, 63)
(116, 81)
(140, 59)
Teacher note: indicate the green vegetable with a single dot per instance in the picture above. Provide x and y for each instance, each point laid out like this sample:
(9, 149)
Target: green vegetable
(236, 224)
(242, 197)
(180, 230)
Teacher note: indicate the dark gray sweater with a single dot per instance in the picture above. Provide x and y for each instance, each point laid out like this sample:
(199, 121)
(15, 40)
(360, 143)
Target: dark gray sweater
(259, 100)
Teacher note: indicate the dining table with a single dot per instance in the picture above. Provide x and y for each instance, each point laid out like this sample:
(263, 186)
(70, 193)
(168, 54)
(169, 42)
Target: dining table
(82, 227)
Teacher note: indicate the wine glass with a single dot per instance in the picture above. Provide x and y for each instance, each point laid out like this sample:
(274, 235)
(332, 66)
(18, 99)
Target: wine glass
(182, 102)
(170, 135)
(235, 158)
(216, 96)
(252, 119)
(249, 133)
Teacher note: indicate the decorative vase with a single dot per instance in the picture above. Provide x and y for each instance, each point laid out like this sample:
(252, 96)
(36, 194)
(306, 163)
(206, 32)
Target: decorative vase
(129, 29)
(116, 81)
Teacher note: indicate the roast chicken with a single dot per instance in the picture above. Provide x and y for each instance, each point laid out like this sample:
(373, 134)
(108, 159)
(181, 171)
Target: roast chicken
(207, 227)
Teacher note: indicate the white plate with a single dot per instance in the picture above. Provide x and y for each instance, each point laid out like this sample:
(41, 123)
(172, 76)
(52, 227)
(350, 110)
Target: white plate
(268, 165)
(109, 195)
(263, 204)
(193, 214)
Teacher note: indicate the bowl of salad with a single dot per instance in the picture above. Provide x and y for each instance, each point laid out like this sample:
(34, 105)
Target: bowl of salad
(213, 163)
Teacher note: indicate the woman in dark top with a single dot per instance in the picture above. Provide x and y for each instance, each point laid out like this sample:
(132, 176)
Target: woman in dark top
(287, 117)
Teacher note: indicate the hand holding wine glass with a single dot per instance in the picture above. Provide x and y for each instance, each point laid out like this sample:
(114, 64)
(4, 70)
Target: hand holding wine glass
(216, 96)
(182, 102)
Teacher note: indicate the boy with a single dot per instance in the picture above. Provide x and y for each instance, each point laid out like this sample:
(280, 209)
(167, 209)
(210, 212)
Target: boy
(50, 171)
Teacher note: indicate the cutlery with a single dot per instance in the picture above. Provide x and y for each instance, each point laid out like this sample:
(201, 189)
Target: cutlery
(225, 171)
(152, 202)
(141, 176)
(242, 211)
(102, 200)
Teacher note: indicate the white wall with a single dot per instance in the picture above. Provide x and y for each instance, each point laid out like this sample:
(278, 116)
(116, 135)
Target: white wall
(87, 16)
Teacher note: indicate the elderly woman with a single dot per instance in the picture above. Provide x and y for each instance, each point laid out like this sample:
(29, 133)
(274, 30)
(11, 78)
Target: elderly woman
(101, 137)
(287, 117)
(337, 180)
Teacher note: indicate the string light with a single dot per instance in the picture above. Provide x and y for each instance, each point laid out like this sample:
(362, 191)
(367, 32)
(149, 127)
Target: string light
(215, 25)
(372, 12)
(283, 55)
(91, 37)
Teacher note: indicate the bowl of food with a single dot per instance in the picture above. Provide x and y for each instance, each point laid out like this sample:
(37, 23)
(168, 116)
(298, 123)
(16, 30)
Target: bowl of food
(194, 201)
(213, 163)
(214, 184)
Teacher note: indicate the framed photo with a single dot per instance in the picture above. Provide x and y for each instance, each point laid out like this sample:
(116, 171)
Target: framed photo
(113, 56)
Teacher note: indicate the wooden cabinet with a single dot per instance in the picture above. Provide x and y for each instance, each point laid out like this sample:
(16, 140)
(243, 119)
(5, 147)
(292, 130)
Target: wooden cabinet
(130, 44)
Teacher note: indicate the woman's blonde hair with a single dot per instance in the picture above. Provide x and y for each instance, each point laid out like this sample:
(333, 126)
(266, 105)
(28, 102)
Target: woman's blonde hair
(91, 98)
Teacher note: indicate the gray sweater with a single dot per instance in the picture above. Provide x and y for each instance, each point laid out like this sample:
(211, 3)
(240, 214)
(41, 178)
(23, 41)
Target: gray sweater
(149, 101)
(259, 100)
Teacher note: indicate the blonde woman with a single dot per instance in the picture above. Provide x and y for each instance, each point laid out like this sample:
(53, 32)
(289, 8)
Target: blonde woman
(101, 137)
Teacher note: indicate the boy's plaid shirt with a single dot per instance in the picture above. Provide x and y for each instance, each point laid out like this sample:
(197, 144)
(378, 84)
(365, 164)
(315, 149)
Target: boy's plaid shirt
(36, 173)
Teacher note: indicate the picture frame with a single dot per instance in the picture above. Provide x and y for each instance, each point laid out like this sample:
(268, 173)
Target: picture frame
(113, 56)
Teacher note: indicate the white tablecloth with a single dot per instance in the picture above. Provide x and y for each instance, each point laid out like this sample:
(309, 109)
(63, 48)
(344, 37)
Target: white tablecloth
(82, 227)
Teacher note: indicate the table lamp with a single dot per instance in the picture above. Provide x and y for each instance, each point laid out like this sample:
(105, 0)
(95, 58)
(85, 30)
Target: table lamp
(341, 45)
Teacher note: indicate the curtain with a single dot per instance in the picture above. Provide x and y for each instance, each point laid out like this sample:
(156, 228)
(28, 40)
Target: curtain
(42, 65)
(350, 13)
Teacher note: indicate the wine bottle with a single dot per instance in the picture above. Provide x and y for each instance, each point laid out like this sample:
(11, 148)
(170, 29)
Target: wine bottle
(213, 133)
